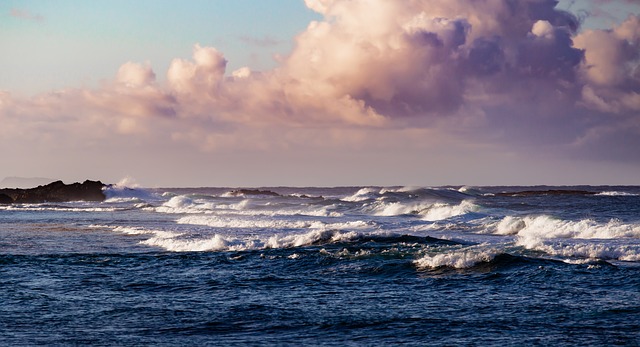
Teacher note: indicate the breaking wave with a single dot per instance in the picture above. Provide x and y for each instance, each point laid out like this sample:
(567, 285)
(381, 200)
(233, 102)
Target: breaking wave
(175, 242)
(428, 211)
(460, 259)
(546, 227)
(117, 193)
(268, 223)
(615, 193)
(184, 204)
(585, 238)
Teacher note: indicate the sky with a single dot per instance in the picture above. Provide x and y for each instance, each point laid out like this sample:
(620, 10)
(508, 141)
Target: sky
(321, 92)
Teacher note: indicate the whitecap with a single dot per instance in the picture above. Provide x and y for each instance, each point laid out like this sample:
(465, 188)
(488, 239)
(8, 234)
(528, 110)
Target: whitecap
(458, 259)
(615, 193)
(441, 211)
(362, 195)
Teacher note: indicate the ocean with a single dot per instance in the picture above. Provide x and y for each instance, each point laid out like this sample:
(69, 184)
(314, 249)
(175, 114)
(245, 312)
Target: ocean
(348, 266)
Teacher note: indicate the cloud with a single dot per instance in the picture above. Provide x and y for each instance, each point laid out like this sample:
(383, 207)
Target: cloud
(611, 67)
(517, 75)
(26, 15)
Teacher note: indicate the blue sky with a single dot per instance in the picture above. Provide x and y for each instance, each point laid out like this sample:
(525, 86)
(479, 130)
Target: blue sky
(73, 43)
(321, 92)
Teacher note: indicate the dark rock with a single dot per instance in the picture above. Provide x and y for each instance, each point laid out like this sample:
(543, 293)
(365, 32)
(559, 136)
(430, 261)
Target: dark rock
(5, 199)
(241, 192)
(57, 192)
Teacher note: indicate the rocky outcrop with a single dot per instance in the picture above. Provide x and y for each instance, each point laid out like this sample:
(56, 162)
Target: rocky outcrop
(255, 192)
(5, 199)
(55, 192)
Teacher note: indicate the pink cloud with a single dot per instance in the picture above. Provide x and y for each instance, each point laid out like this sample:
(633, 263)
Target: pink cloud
(485, 73)
(610, 68)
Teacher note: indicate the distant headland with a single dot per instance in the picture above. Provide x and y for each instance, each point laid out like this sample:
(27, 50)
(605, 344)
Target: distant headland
(54, 192)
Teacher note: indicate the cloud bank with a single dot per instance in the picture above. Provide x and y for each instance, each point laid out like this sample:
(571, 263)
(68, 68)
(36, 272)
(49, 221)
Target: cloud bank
(517, 75)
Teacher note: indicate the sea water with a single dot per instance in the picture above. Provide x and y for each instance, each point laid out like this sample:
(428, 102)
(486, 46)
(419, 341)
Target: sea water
(325, 266)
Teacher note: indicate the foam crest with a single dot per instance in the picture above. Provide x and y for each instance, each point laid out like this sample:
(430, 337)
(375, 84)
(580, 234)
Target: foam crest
(228, 222)
(564, 238)
(459, 259)
(400, 208)
(362, 195)
(215, 243)
(614, 193)
(175, 242)
(161, 234)
(510, 225)
(405, 189)
(310, 238)
(185, 204)
(232, 222)
(590, 250)
(182, 204)
(117, 193)
(530, 229)
(442, 211)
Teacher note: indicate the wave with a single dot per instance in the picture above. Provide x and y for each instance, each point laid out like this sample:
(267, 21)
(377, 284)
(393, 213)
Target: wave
(172, 242)
(459, 259)
(117, 193)
(253, 223)
(427, 209)
(448, 195)
(584, 238)
(362, 195)
(597, 251)
(530, 228)
(184, 204)
(445, 211)
(616, 193)
(354, 235)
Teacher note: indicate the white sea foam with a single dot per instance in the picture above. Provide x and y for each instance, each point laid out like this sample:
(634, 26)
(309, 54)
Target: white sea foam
(362, 195)
(533, 228)
(215, 243)
(445, 211)
(589, 250)
(465, 189)
(118, 193)
(231, 222)
(510, 225)
(399, 208)
(405, 189)
(309, 238)
(614, 193)
(162, 234)
(175, 242)
(584, 238)
(459, 259)
(183, 204)
(429, 211)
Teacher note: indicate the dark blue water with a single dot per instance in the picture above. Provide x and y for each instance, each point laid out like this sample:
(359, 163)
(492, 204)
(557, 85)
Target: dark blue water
(68, 282)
